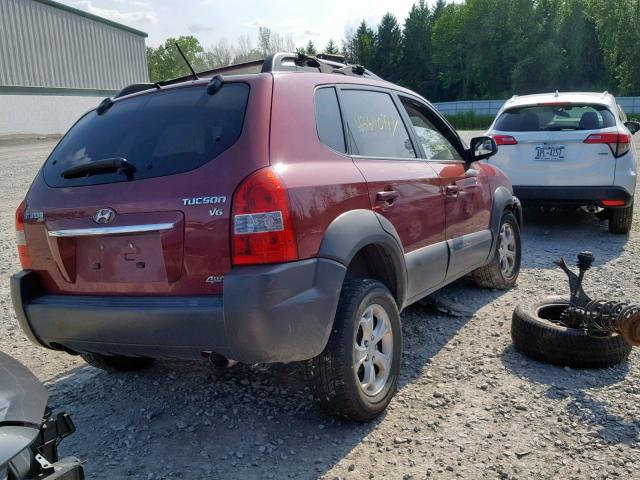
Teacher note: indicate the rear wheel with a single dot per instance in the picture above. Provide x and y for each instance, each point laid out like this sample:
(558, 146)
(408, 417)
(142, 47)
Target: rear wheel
(502, 272)
(356, 375)
(113, 364)
(620, 219)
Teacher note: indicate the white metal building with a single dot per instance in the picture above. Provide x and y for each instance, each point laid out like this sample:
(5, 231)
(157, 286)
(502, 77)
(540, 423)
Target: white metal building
(56, 62)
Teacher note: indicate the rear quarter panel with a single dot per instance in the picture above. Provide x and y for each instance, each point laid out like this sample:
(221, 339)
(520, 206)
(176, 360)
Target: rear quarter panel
(322, 183)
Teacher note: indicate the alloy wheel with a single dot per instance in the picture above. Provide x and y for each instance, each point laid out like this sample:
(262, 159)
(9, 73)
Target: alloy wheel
(373, 350)
(507, 249)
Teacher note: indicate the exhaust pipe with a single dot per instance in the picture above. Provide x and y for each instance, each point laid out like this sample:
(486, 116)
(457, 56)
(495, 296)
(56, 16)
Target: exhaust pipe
(593, 209)
(220, 361)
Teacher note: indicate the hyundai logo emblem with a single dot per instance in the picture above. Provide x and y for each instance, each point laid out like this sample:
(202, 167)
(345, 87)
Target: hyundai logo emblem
(104, 215)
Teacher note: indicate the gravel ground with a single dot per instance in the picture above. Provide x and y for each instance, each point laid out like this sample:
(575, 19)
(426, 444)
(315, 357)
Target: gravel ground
(468, 405)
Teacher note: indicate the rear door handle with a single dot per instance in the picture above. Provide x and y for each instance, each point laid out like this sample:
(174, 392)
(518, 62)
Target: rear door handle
(452, 190)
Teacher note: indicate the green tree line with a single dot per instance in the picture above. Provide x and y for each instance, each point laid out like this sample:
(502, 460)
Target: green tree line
(477, 49)
(165, 62)
(484, 49)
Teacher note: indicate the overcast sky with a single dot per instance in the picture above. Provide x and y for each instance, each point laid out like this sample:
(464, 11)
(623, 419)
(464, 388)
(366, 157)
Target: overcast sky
(212, 20)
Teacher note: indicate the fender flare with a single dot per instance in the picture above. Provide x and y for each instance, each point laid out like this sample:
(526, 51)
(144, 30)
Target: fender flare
(353, 230)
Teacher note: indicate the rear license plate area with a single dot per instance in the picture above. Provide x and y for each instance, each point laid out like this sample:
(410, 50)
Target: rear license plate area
(549, 153)
(121, 259)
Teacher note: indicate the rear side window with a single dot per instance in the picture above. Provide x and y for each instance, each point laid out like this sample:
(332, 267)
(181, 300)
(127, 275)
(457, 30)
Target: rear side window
(329, 120)
(555, 118)
(161, 133)
(374, 125)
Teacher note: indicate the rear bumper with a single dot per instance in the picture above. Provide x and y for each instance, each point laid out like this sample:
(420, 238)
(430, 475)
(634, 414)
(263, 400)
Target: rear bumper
(572, 195)
(275, 313)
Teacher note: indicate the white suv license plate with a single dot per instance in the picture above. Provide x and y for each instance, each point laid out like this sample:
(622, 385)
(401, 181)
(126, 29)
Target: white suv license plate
(548, 153)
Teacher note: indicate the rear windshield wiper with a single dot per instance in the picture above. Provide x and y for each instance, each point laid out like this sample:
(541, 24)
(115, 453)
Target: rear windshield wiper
(99, 167)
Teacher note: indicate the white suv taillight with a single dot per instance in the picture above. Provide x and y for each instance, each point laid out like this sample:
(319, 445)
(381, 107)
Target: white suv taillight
(505, 140)
(23, 253)
(619, 143)
(262, 231)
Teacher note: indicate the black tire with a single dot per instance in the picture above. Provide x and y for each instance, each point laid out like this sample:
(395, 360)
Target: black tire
(491, 275)
(603, 215)
(620, 219)
(114, 364)
(332, 375)
(545, 341)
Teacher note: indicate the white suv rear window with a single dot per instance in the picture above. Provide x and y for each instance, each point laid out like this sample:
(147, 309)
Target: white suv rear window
(555, 117)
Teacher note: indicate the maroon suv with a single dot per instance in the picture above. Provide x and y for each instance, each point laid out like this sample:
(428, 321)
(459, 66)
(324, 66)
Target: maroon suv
(283, 215)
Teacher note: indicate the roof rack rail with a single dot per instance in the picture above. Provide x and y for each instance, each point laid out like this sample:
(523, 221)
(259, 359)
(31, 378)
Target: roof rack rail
(300, 62)
(238, 69)
(135, 88)
(276, 62)
(333, 57)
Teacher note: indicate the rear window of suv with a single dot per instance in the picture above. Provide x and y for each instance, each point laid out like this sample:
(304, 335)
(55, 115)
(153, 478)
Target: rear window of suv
(160, 133)
(555, 118)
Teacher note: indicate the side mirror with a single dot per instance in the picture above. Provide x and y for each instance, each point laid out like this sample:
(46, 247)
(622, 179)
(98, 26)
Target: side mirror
(633, 127)
(481, 148)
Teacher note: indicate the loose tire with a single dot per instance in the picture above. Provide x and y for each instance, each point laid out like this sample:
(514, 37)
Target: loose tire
(535, 336)
(113, 364)
(620, 219)
(502, 272)
(356, 375)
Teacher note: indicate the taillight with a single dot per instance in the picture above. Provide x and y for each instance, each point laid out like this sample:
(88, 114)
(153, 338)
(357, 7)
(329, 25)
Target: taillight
(505, 140)
(261, 229)
(619, 143)
(613, 203)
(23, 253)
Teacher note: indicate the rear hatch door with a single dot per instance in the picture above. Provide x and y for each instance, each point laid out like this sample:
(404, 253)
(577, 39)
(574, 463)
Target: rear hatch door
(153, 216)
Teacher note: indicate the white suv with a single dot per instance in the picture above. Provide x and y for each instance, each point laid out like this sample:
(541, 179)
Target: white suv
(572, 149)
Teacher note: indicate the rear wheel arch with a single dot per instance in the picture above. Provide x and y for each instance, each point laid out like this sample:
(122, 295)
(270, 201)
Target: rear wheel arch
(374, 262)
(358, 240)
